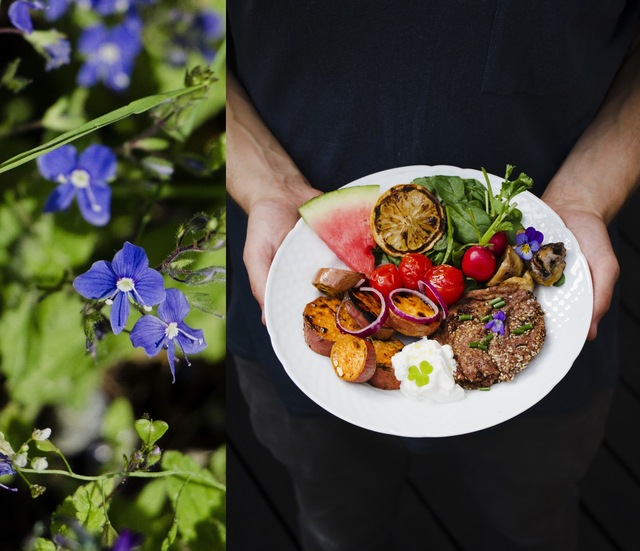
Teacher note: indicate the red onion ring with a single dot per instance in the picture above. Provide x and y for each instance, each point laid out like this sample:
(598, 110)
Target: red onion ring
(374, 326)
(409, 317)
(423, 285)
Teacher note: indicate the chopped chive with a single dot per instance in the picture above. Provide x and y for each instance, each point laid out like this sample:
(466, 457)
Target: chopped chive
(493, 302)
(522, 329)
(486, 318)
(465, 317)
(499, 304)
(477, 344)
(485, 388)
(487, 338)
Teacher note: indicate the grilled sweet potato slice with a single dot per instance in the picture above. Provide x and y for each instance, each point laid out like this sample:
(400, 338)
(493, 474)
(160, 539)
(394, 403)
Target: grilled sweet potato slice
(384, 376)
(353, 359)
(336, 281)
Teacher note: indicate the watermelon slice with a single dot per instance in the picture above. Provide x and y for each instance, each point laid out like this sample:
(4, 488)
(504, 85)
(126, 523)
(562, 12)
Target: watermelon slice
(341, 219)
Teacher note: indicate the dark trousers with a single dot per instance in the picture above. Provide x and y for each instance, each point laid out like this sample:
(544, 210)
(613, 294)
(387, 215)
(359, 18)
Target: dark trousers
(349, 481)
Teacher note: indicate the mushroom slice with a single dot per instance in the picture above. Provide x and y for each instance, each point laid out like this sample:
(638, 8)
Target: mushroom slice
(510, 266)
(547, 265)
(523, 282)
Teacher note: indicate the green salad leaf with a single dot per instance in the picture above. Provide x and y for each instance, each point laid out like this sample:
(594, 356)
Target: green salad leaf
(474, 212)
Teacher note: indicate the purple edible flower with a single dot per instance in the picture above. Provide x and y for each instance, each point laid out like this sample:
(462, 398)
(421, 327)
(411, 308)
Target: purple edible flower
(6, 468)
(109, 54)
(58, 53)
(126, 541)
(153, 334)
(56, 9)
(497, 322)
(528, 242)
(81, 176)
(20, 14)
(127, 277)
(197, 32)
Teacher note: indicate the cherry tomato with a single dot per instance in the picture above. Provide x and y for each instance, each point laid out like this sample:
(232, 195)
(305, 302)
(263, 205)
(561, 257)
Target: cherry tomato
(478, 263)
(385, 278)
(413, 266)
(498, 243)
(448, 281)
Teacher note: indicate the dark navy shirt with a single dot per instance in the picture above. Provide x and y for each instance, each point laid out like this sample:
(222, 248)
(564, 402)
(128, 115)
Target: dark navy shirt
(351, 88)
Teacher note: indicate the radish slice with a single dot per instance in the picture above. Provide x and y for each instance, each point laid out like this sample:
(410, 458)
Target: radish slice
(374, 326)
(422, 285)
(409, 317)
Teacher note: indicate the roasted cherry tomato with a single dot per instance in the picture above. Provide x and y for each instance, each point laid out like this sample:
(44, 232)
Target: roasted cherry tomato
(448, 281)
(478, 263)
(385, 278)
(498, 243)
(413, 266)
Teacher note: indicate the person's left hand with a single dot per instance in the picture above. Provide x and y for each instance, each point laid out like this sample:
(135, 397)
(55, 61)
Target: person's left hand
(591, 232)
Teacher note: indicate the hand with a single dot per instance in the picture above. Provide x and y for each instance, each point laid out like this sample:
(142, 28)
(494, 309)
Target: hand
(269, 222)
(591, 232)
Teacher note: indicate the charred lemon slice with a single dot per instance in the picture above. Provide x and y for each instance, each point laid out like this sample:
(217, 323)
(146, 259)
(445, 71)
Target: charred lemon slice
(407, 218)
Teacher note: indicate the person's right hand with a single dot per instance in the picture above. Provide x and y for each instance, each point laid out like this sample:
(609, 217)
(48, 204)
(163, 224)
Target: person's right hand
(269, 222)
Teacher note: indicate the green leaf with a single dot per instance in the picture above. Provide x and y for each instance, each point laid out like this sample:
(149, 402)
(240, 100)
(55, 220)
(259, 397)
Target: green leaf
(45, 446)
(199, 502)
(134, 108)
(42, 544)
(90, 506)
(150, 431)
(10, 78)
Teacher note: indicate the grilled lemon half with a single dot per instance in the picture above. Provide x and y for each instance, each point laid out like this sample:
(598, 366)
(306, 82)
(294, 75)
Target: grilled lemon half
(407, 218)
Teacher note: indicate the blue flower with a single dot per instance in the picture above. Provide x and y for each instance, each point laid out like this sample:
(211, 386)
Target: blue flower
(154, 334)
(20, 14)
(110, 54)
(497, 323)
(128, 277)
(110, 7)
(126, 541)
(6, 468)
(56, 9)
(84, 177)
(528, 242)
(57, 53)
(198, 32)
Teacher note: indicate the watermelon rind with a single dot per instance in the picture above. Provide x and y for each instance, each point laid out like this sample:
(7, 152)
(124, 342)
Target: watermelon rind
(340, 218)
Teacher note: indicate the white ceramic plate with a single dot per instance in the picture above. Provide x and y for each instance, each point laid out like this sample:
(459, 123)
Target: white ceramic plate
(567, 309)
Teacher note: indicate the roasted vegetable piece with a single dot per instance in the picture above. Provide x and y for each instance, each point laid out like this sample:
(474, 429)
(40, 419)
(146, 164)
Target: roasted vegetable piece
(336, 281)
(320, 329)
(547, 265)
(353, 359)
(384, 376)
(511, 265)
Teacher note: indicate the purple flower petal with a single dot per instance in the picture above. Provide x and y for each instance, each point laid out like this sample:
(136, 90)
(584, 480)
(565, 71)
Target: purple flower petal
(95, 204)
(119, 312)
(126, 541)
(98, 282)
(87, 75)
(58, 54)
(521, 239)
(148, 333)
(190, 340)
(99, 161)
(20, 14)
(92, 38)
(130, 261)
(56, 9)
(150, 287)
(175, 307)
(171, 356)
(60, 198)
(58, 163)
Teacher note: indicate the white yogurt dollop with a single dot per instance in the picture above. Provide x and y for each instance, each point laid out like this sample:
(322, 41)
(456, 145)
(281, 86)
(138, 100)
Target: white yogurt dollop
(425, 371)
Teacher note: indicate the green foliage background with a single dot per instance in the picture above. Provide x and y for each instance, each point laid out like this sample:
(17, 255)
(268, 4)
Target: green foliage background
(47, 377)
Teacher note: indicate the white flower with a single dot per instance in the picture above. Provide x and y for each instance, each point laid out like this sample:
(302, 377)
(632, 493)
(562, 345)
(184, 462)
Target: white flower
(20, 460)
(40, 435)
(39, 463)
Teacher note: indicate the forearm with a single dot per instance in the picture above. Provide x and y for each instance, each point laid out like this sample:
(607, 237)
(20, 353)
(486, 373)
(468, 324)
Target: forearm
(258, 167)
(603, 168)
